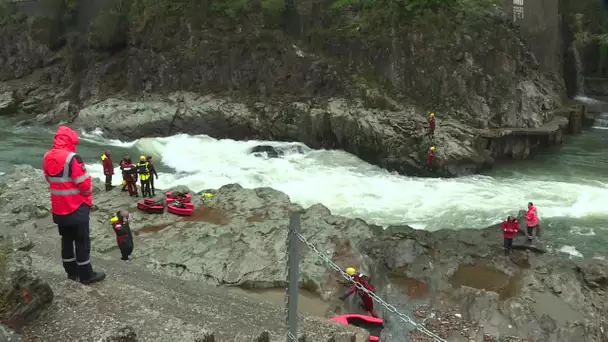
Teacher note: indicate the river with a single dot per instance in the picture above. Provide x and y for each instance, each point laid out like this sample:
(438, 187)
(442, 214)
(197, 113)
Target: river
(568, 184)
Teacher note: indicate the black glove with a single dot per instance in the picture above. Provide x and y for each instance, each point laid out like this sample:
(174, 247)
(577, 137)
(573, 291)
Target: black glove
(342, 297)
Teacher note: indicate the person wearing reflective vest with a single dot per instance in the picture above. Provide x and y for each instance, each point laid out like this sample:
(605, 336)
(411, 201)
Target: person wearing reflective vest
(71, 190)
(143, 170)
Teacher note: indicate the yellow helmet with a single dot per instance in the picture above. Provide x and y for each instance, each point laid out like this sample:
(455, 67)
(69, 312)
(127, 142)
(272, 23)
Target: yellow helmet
(207, 195)
(432, 148)
(142, 158)
(431, 114)
(351, 271)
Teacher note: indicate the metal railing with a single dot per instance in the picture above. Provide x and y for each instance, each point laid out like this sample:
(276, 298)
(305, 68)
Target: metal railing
(294, 237)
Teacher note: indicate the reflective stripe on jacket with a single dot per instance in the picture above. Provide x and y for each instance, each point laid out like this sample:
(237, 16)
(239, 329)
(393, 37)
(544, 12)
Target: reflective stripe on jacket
(67, 189)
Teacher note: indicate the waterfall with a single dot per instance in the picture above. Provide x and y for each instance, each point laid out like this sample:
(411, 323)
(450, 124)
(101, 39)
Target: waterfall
(578, 63)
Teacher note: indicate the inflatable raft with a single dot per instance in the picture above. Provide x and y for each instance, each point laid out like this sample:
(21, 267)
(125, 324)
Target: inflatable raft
(372, 324)
(151, 206)
(184, 198)
(180, 208)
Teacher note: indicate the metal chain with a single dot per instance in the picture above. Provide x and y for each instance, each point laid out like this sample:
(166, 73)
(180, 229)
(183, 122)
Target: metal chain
(386, 305)
(289, 334)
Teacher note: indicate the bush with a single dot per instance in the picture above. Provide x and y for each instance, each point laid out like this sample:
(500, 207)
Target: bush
(109, 29)
(9, 14)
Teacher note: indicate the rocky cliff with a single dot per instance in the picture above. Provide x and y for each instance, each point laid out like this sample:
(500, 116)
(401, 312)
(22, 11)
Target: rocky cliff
(334, 82)
(185, 274)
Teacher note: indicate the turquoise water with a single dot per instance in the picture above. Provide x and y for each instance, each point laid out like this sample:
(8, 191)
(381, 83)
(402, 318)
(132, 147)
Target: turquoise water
(568, 183)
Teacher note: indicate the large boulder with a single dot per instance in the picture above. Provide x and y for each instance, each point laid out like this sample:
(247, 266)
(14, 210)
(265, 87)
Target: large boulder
(22, 295)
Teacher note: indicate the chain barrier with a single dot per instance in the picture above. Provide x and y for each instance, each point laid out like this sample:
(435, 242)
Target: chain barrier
(360, 287)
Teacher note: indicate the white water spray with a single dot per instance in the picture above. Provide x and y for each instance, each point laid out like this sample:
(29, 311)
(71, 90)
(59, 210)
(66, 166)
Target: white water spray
(351, 187)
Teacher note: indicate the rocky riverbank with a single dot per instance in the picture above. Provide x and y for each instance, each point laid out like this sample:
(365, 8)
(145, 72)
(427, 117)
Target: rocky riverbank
(326, 87)
(453, 281)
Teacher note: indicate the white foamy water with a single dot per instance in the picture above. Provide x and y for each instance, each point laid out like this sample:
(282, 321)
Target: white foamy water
(571, 250)
(351, 187)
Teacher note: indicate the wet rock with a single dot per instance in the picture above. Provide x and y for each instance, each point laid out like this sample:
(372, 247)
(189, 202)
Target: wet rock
(24, 295)
(123, 334)
(269, 151)
(8, 103)
(237, 238)
(595, 272)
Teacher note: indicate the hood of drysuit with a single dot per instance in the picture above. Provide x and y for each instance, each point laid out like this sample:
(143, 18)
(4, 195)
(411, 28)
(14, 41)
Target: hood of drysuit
(66, 139)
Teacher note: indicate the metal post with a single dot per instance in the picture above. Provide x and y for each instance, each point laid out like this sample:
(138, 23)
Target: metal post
(293, 276)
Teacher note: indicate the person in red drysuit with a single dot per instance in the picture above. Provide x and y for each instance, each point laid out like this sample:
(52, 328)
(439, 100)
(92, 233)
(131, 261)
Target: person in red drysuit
(510, 227)
(71, 191)
(108, 169)
(430, 158)
(366, 300)
(431, 123)
(532, 222)
(124, 237)
(122, 164)
(129, 174)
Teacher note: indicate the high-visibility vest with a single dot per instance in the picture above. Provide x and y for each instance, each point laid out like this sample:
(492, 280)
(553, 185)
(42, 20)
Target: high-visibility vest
(65, 194)
(143, 170)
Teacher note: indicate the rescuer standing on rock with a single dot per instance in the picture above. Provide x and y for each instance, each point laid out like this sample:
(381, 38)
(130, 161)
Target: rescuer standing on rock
(124, 162)
(152, 174)
(124, 237)
(431, 124)
(366, 300)
(143, 170)
(510, 227)
(108, 169)
(71, 191)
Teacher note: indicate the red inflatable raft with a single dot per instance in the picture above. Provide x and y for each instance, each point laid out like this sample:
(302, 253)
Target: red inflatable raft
(180, 208)
(184, 198)
(372, 324)
(151, 206)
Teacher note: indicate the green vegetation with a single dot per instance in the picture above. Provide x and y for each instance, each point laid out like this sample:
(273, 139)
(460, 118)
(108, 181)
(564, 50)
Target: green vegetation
(589, 20)
(9, 15)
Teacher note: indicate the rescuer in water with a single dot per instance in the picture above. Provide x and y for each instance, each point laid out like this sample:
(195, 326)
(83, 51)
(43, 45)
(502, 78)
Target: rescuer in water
(152, 173)
(71, 191)
(366, 300)
(124, 237)
(108, 169)
(143, 170)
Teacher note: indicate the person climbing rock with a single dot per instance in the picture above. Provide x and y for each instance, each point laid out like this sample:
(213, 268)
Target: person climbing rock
(431, 123)
(143, 170)
(71, 191)
(126, 160)
(430, 159)
(366, 299)
(124, 237)
(108, 169)
(510, 227)
(129, 174)
(532, 222)
(152, 172)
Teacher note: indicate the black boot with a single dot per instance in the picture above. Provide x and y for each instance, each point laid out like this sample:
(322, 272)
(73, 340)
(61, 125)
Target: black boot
(88, 276)
(71, 269)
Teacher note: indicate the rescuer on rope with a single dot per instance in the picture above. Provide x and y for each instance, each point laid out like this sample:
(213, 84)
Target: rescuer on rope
(367, 302)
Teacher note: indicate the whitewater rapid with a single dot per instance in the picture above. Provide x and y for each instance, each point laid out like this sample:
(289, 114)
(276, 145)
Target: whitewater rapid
(351, 187)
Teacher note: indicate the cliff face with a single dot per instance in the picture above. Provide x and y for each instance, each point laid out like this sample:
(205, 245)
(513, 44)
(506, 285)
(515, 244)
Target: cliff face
(474, 70)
